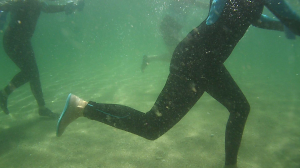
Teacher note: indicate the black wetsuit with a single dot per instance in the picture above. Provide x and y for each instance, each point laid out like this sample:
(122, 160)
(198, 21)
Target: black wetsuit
(196, 67)
(17, 44)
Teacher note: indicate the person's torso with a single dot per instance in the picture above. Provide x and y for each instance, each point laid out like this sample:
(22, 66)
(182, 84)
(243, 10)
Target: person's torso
(23, 18)
(222, 36)
(238, 15)
(211, 45)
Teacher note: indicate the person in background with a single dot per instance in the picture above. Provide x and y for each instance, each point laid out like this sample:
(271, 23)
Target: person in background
(171, 28)
(17, 45)
(197, 66)
(3, 16)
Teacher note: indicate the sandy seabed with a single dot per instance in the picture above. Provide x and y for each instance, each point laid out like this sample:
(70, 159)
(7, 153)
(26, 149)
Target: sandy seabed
(271, 138)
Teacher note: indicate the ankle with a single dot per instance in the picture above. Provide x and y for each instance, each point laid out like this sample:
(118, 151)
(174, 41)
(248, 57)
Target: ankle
(8, 89)
(42, 107)
(230, 166)
(80, 107)
(4, 93)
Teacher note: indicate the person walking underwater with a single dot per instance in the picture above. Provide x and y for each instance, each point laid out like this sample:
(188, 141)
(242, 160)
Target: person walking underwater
(17, 45)
(197, 66)
(171, 28)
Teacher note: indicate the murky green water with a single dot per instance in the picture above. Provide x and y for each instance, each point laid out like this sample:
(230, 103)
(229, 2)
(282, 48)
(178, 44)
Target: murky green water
(97, 54)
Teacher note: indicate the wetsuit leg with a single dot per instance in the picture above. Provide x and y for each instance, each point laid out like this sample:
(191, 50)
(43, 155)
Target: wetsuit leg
(224, 89)
(21, 53)
(176, 99)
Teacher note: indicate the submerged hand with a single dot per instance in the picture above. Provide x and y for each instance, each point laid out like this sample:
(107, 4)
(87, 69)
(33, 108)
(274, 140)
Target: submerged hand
(72, 7)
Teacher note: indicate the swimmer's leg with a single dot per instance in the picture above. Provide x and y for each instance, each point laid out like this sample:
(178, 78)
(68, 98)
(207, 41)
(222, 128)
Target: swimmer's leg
(224, 89)
(3, 101)
(147, 59)
(175, 100)
(19, 79)
(22, 55)
(35, 83)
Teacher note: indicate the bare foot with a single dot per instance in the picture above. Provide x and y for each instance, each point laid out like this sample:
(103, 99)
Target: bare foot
(73, 109)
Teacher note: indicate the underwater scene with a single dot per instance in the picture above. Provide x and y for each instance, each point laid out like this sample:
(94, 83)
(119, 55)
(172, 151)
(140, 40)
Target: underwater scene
(119, 52)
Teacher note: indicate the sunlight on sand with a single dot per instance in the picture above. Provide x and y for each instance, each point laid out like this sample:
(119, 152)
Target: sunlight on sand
(198, 139)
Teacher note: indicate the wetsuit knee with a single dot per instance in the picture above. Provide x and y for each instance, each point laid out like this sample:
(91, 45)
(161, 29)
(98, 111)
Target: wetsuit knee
(152, 138)
(245, 107)
(152, 134)
(30, 75)
(146, 125)
(154, 125)
(242, 109)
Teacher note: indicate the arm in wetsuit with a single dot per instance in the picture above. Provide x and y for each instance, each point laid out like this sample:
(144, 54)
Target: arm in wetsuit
(269, 23)
(52, 8)
(5, 6)
(289, 20)
(285, 14)
(69, 8)
(216, 8)
(266, 22)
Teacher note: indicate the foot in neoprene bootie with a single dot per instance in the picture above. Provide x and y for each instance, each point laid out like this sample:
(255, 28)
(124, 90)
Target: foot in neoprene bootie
(144, 63)
(3, 103)
(73, 110)
(45, 112)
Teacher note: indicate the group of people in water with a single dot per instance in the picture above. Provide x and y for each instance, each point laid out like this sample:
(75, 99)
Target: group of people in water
(196, 66)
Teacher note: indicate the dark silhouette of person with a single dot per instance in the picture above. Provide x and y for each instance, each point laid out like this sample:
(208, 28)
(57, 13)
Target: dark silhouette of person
(171, 28)
(17, 45)
(197, 66)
